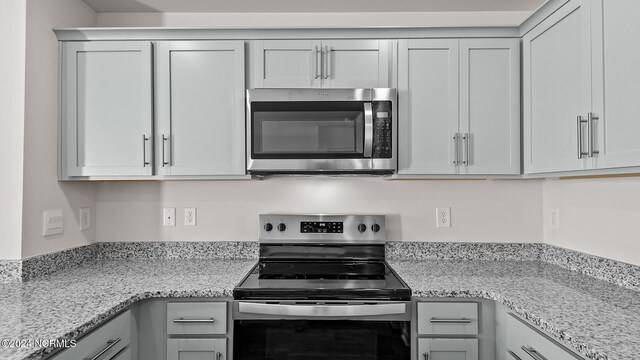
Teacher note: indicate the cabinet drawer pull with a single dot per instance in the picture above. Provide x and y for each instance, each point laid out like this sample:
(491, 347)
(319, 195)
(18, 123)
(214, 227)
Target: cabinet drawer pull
(144, 150)
(590, 134)
(194, 321)
(164, 145)
(465, 160)
(580, 152)
(110, 344)
(317, 56)
(533, 352)
(425, 356)
(118, 353)
(327, 63)
(450, 321)
(218, 356)
(456, 148)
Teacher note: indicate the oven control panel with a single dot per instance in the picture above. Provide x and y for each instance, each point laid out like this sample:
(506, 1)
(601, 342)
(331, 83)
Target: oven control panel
(361, 229)
(318, 227)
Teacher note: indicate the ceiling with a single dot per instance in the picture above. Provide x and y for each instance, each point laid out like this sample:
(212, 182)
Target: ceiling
(311, 5)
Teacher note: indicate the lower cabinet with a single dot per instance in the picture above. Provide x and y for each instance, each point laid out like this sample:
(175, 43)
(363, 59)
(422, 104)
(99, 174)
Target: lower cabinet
(110, 341)
(447, 349)
(524, 342)
(197, 349)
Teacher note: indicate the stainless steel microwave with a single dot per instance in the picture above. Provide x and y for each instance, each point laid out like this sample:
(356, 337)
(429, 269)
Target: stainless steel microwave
(330, 131)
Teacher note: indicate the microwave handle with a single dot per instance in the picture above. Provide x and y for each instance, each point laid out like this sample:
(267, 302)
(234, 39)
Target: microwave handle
(368, 130)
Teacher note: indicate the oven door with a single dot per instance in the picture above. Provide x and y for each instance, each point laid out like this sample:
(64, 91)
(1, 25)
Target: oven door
(309, 331)
(310, 135)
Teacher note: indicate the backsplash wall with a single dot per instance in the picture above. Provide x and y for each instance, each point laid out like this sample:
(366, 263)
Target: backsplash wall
(481, 211)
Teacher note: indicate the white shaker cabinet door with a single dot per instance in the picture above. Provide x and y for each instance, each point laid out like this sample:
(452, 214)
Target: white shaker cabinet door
(557, 89)
(490, 106)
(200, 90)
(197, 349)
(616, 83)
(106, 119)
(287, 64)
(447, 349)
(356, 63)
(428, 106)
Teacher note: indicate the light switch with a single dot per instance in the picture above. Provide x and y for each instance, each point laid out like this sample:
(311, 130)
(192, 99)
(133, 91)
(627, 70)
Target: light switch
(53, 222)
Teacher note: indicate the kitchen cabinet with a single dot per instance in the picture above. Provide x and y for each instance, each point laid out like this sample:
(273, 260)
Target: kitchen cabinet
(447, 349)
(580, 88)
(197, 349)
(459, 106)
(322, 63)
(110, 341)
(106, 109)
(200, 108)
(523, 342)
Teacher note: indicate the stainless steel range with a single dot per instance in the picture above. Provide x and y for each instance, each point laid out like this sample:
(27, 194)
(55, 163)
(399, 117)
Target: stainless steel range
(321, 290)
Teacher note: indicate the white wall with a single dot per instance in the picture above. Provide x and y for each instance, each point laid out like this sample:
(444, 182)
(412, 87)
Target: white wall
(402, 19)
(597, 216)
(42, 191)
(12, 45)
(482, 211)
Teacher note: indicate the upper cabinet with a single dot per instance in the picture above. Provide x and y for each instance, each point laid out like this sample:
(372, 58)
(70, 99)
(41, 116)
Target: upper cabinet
(106, 119)
(200, 107)
(581, 86)
(322, 63)
(108, 112)
(459, 107)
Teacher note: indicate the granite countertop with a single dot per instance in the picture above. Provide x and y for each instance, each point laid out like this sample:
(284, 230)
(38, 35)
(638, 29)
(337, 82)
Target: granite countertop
(595, 318)
(70, 302)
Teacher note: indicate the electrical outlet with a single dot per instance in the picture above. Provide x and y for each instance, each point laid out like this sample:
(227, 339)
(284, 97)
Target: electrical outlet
(443, 217)
(554, 218)
(85, 218)
(169, 217)
(190, 216)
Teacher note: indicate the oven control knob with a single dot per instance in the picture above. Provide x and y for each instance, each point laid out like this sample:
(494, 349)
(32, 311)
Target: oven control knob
(268, 227)
(375, 228)
(362, 228)
(282, 227)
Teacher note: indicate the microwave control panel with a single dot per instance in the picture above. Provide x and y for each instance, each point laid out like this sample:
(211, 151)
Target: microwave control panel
(382, 133)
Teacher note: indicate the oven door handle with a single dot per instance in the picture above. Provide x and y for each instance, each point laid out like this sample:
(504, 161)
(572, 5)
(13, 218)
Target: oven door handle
(322, 310)
(368, 130)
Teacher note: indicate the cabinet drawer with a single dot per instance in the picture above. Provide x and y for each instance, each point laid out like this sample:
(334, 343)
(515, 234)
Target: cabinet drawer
(197, 349)
(197, 318)
(446, 349)
(447, 318)
(521, 337)
(112, 338)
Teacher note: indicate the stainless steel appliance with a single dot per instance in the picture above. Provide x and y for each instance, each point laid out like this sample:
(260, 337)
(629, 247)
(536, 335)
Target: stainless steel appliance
(321, 290)
(343, 131)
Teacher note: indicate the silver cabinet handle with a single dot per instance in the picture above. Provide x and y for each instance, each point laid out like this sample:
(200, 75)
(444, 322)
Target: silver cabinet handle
(110, 344)
(327, 63)
(368, 130)
(144, 150)
(533, 353)
(456, 155)
(318, 57)
(425, 356)
(322, 310)
(194, 321)
(450, 321)
(218, 356)
(590, 134)
(579, 125)
(118, 353)
(465, 159)
(164, 157)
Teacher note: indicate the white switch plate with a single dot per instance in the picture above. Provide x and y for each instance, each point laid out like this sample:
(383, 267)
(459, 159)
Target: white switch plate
(169, 217)
(554, 218)
(53, 222)
(443, 217)
(84, 218)
(190, 216)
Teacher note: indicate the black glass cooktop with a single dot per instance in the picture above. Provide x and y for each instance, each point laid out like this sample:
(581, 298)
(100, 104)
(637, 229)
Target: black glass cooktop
(308, 280)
